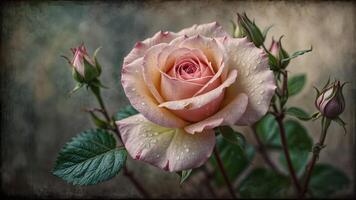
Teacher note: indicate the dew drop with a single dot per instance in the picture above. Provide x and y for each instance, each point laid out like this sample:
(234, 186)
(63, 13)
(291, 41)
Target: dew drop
(262, 92)
(187, 150)
(155, 133)
(259, 102)
(157, 155)
(150, 134)
(260, 81)
(145, 135)
(143, 103)
(133, 89)
(136, 71)
(178, 158)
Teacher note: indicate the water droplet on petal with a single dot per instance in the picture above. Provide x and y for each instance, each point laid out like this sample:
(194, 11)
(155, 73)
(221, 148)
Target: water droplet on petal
(157, 155)
(178, 157)
(186, 150)
(262, 92)
(143, 103)
(155, 133)
(133, 89)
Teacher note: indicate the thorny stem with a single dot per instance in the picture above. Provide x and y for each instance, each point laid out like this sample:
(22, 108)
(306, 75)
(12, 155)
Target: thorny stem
(262, 150)
(279, 115)
(316, 151)
(127, 173)
(222, 169)
(286, 153)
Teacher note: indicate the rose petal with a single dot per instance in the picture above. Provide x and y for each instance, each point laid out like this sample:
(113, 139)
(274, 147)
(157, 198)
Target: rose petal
(141, 47)
(226, 116)
(174, 89)
(141, 98)
(151, 72)
(209, 30)
(215, 54)
(201, 100)
(255, 78)
(166, 148)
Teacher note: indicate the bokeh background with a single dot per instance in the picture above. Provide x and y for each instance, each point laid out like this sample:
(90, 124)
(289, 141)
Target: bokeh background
(38, 118)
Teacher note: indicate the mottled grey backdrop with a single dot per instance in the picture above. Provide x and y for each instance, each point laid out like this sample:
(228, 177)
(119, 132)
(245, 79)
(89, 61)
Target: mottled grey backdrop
(38, 118)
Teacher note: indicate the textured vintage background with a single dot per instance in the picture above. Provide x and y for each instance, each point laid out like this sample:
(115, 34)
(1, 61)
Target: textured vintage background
(37, 118)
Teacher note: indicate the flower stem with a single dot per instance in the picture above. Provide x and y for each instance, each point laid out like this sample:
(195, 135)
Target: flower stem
(127, 173)
(279, 115)
(262, 150)
(222, 169)
(316, 151)
(279, 120)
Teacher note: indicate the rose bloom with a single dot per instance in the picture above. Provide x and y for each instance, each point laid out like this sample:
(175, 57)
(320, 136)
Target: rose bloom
(79, 54)
(330, 102)
(185, 84)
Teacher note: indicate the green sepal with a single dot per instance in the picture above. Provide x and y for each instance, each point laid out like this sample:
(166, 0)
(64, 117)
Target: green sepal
(252, 31)
(265, 31)
(341, 123)
(77, 76)
(184, 175)
(97, 65)
(76, 88)
(90, 71)
(294, 55)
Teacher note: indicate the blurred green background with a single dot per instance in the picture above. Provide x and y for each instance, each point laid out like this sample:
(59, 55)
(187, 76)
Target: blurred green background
(38, 118)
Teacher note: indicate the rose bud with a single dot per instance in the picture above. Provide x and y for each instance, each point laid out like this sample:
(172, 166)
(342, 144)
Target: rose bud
(253, 33)
(278, 53)
(85, 69)
(238, 31)
(330, 102)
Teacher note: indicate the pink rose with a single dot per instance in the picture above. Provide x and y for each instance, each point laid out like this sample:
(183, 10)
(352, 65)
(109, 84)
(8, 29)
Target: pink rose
(185, 84)
(79, 54)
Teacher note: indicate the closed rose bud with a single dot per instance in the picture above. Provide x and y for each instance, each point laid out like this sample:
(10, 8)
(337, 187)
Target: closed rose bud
(238, 29)
(250, 29)
(85, 68)
(330, 102)
(274, 49)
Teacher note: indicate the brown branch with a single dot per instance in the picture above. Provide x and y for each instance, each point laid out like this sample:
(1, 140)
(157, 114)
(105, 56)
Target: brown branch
(279, 120)
(316, 151)
(208, 177)
(222, 169)
(262, 150)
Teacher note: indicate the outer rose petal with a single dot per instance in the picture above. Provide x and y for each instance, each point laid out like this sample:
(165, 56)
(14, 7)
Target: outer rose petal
(255, 78)
(209, 30)
(141, 47)
(226, 116)
(141, 98)
(166, 148)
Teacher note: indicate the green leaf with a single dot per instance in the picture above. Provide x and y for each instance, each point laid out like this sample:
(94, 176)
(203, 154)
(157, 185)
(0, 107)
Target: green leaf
(267, 128)
(234, 158)
(326, 180)
(264, 183)
(232, 136)
(90, 71)
(184, 175)
(125, 112)
(299, 113)
(299, 144)
(296, 84)
(90, 158)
